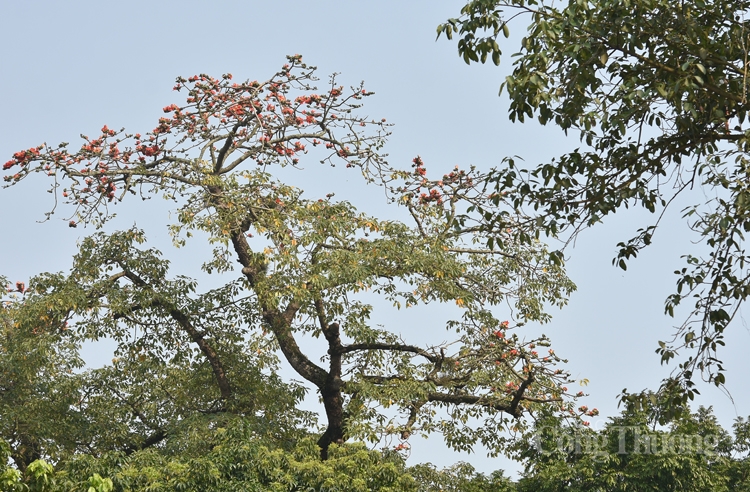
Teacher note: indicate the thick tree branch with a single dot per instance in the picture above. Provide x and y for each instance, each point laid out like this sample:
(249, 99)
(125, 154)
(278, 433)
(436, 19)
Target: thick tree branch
(396, 347)
(195, 335)
(155, 438)
(278, 323)
(512, 408)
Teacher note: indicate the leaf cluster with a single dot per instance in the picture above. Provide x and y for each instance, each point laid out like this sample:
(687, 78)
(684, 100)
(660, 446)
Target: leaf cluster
(657, 93)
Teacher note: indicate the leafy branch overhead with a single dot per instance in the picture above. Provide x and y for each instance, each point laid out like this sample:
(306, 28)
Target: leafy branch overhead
(307, 267)
(657, 92)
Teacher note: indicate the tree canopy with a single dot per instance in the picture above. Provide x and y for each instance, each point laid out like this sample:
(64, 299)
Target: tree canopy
(190, 361)
(657, 92)
(629, 453)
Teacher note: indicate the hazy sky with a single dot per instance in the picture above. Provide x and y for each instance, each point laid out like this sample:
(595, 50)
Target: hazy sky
(69, 67)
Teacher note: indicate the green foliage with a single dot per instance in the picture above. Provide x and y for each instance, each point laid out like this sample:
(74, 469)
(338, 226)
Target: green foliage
(657, 92)
(626, 454)
(36, 379)
(459, 477)
(629, 453)
(231, 458)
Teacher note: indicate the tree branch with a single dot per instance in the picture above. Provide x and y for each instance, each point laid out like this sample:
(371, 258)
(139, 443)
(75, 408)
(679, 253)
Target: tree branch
(396, 347)
(195, 335)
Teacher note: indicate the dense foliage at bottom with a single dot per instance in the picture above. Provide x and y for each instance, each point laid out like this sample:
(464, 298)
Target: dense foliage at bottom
(627, 454)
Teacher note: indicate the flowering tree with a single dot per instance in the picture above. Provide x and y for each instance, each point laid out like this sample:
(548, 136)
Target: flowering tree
(307, 267)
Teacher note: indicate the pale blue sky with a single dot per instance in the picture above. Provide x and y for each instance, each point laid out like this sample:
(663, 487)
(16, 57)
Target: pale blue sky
(69, 67)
